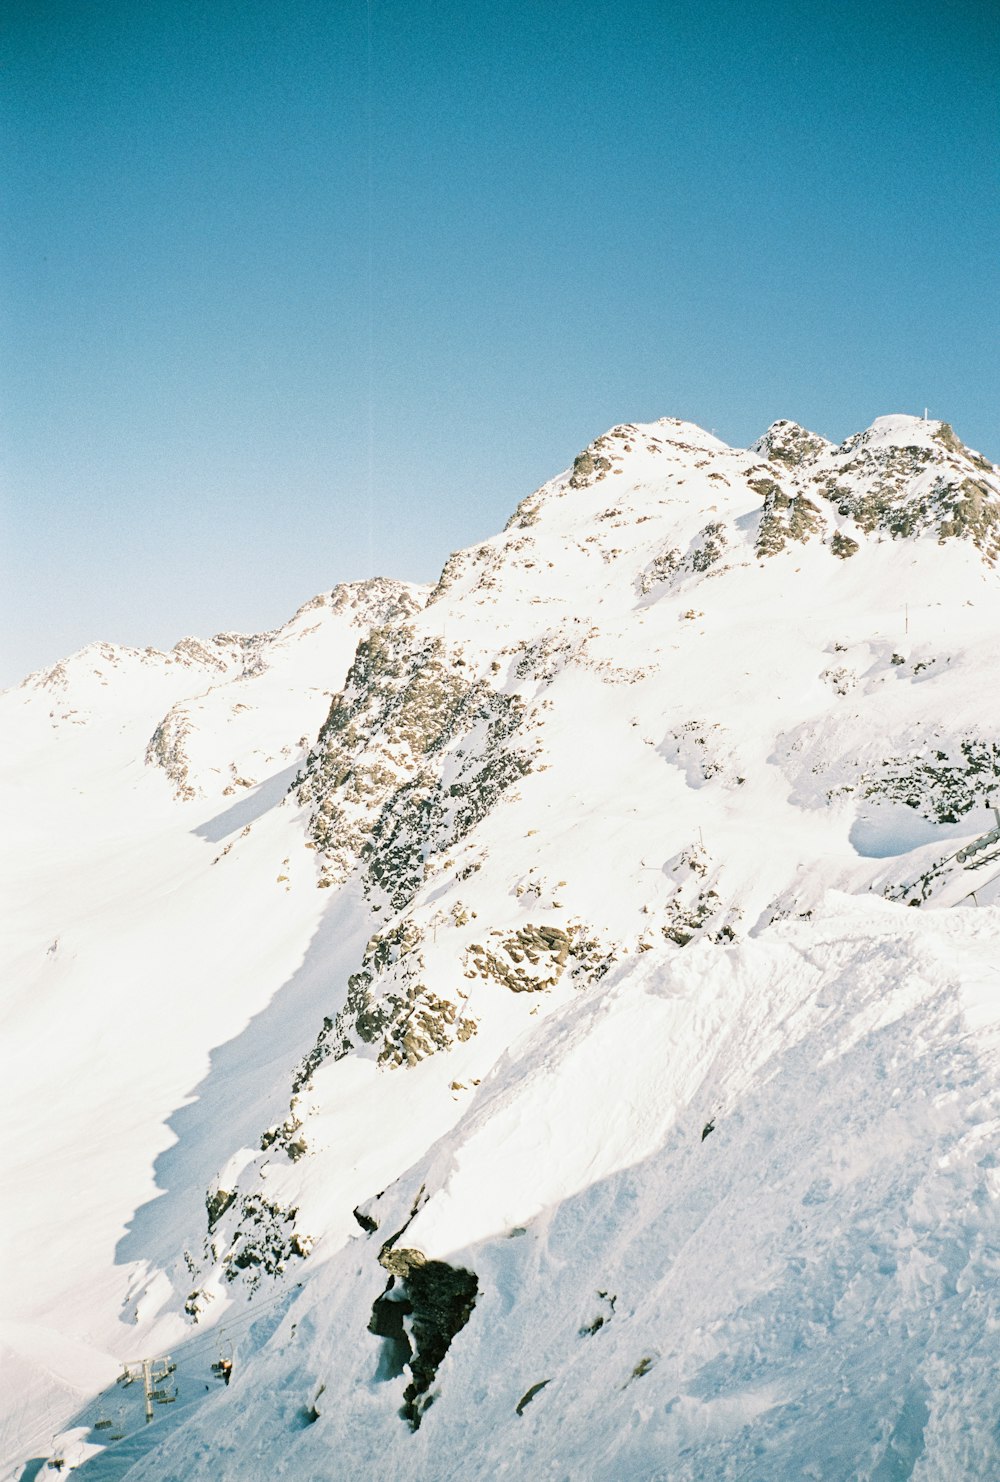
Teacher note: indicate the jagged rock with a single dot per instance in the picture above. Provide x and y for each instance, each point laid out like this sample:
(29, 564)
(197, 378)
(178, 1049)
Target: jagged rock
(704, 552)
(533, 959)
(788, 443)
(374, 780)
(216, 1205)
(264, 1239)
(288, 1135)
(439, 1299)
(903, 492)
(388, 1006)
(588, 467)
(941, 786)
(784, 517)
(843, 546)
(167, 749)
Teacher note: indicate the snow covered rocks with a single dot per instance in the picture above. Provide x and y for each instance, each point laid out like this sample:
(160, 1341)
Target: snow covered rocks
(547, 1025)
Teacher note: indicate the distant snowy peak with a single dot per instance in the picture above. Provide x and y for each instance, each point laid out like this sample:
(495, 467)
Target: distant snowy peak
(219, 714)
(364, 603)
(367, 603)
(99, 663)
(258, 722)
(112, 688)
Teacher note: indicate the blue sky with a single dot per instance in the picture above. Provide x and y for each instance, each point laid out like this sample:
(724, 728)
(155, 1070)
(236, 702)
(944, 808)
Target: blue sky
(293, 294)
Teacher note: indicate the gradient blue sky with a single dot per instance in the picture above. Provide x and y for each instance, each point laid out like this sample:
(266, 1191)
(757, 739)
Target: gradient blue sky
(294, 293)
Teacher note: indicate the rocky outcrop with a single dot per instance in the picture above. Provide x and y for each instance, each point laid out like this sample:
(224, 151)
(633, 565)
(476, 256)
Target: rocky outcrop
(789, 444)
(909, 490)
(263, 1241)
(938, 784)
(531, 959)
(389, 781)
(391, 1008)
(785, 517)
(167, 749)
(438, 1299)
(704, 552)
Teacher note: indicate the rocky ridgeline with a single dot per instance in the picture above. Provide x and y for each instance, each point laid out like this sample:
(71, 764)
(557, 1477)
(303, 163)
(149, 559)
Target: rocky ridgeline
(102, 661)
(937, 487)
(431, 732)
(354, 607)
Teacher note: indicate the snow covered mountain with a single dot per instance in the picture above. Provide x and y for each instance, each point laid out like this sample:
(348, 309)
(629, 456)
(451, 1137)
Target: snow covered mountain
(544, 1026)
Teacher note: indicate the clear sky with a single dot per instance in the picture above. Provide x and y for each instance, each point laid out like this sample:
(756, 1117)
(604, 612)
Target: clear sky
(300, 291)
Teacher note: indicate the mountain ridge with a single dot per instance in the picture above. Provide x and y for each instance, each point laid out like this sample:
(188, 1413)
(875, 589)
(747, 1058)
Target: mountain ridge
(617, 830)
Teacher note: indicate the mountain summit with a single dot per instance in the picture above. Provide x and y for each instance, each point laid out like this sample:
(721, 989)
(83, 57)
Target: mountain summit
(546, 1024)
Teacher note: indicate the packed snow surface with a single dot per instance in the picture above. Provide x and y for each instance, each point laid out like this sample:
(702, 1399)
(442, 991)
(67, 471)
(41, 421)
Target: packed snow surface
(546, 1026)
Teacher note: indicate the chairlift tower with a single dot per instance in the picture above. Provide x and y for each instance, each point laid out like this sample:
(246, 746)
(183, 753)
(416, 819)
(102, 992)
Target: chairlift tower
(152, 1372)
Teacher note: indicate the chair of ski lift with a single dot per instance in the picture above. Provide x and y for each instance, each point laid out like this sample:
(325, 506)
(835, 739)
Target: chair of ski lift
(223, 1366)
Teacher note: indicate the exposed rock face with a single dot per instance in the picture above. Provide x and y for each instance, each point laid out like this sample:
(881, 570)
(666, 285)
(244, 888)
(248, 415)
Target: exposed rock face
(705, 550)
(389, 780)
(167, 749)
(264, 1240)
(880, 483)
(388, 1006)
(907, 490)
(532, 959)
(843, 546)
(785, 517)
(439, 1300)
(941, 786)
(216, 1205)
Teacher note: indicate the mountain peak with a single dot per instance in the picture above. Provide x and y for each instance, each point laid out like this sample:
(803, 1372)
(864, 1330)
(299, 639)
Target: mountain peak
(786, 442)
(900, 430)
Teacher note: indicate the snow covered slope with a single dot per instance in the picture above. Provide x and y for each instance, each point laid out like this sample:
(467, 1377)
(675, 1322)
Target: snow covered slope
(586, 1097)
(127, 956)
